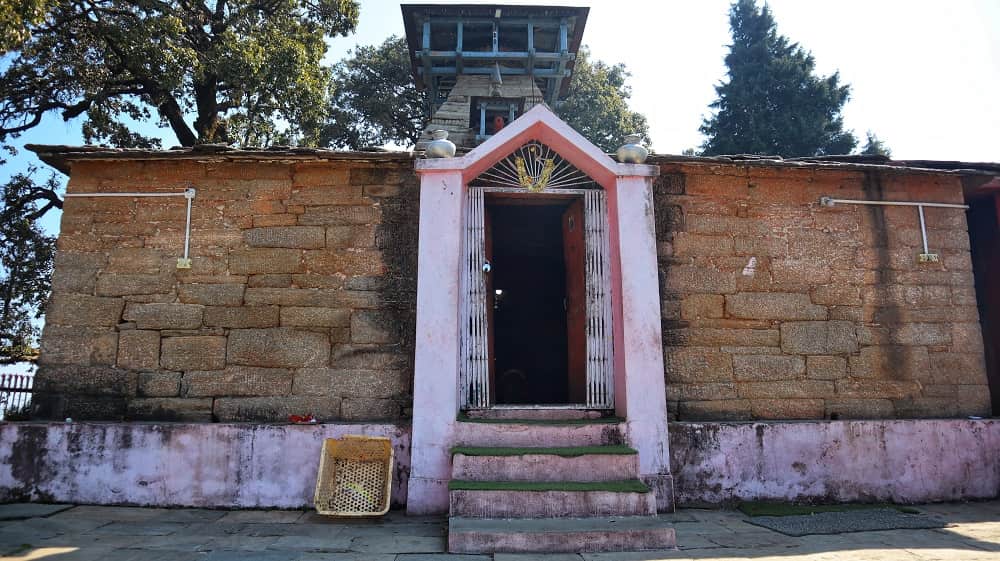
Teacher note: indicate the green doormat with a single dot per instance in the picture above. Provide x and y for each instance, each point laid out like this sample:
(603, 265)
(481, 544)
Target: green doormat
(868, 520)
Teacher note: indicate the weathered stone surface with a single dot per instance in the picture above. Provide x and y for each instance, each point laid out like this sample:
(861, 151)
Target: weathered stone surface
(963, 368)
(350, 357)
(193, 353)
(974, 399)
(238, 381)
(135, 260)
(786, 389)
(228, 294)
(877, 389)
(768, 367)
(265, 261)
(320, 297)
(139, 349)
(164, 316)
(270, 281)
(302, 316)
(921, 334)
(859, 409)
(688, 279)
(122, 284)
(701, 392)
(787, 409)
(339, 215)
(773, 305)
(360, 236)
(352, 383)
(698, 306)
(278, 347)
(170, 409)
(83, 310)
(826, 367)
(708, 336)
(78, 345)
(76, 271)
(818, 337)
(714, 410)
(300, 237)
(275, 409)
(241, 318)
(364, 409)
(351, 262)
(893, 362)
(75, 380)
(374, 326)
(697, 364)
(159, 384)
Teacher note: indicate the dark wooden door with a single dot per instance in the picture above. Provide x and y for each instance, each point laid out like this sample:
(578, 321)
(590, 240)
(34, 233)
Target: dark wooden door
(574, 252)
(490, 303)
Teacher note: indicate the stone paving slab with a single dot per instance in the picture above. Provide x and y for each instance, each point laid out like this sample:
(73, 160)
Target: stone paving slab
(90, 533)
(21, 511)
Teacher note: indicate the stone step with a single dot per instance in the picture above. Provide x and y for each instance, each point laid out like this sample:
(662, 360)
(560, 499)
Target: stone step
(521, 432)
(522, 499)
(584, 463)
(562, 535)
(535, 413)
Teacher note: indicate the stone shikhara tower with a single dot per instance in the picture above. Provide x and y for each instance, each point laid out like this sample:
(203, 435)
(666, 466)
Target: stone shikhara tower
(485, 65)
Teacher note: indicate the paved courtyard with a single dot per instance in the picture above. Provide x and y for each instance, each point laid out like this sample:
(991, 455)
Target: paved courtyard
(119, 534)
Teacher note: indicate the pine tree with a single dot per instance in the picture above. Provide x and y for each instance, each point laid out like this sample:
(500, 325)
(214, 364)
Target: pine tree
(772, 102)
(875, 146)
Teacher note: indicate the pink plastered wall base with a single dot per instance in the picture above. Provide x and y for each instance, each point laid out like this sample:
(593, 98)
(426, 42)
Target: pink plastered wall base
(193, 465)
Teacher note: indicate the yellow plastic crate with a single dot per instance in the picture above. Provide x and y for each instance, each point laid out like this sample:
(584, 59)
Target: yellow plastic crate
(355, 476)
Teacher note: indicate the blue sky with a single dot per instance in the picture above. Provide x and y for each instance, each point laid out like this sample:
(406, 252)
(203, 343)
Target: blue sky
(925, 75)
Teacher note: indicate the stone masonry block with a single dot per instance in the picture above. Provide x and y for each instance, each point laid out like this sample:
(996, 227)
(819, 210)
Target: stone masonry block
(238, 381)
(361, 236)
(164, 316)
(296, 316)
(768, 367)
(265, 261)
(135, 260)
(711, 336)
(786, 389)
(159, 384)
(714, 410)
(818, 337)
(227, 294)
(701, 306)
(686, 365)
(122, 284)
(365, 409)
(877, 389)
(300, 237)
(773, 305)
(374, 326)
(83, 310)
(243, 317)
(385, 384)
(690, 279)
(921, 334)
(139, 349)
(859, 409)
(170, 409)
(193, 353)
(277, 408)
(963, 368)
(787, 409)
(281, 347)
(701, 392)
(78, 345)
(826, 367)
(893, 362)
(350, 262)
(75, 380)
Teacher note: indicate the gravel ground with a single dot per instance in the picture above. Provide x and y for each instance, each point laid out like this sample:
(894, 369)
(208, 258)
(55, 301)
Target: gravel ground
(848, 521)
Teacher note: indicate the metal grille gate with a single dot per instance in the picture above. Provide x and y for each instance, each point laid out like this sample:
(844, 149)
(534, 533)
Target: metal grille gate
(474, 375)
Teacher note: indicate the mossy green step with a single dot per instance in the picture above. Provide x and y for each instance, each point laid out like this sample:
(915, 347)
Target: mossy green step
(563, 451)
(627, 486)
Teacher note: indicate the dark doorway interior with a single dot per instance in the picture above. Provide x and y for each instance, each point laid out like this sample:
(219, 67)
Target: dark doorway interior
(529, 318)
(984, 235)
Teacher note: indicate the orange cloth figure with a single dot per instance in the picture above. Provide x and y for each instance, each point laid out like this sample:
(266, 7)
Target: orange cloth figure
(498, 124)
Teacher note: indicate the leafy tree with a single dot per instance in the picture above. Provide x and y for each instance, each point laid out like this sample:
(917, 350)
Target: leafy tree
(772, 102)
(375, 101)
(15, 18)
(26, 255)
(875, 146)
(237, 66)
(597, 104)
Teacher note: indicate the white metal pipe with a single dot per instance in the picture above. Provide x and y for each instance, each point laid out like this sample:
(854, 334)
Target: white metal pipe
(189, 193)
(829, 201)
(923, 228)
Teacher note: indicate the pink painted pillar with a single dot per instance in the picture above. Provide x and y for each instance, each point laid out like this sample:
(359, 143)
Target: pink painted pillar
(643, 401)
(436, 363)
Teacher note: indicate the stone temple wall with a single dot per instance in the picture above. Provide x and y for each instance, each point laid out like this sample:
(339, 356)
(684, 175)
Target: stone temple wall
(775, 307)
(300, 300)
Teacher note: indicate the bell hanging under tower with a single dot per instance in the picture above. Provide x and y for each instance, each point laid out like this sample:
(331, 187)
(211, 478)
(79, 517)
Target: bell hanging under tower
(485, 65)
